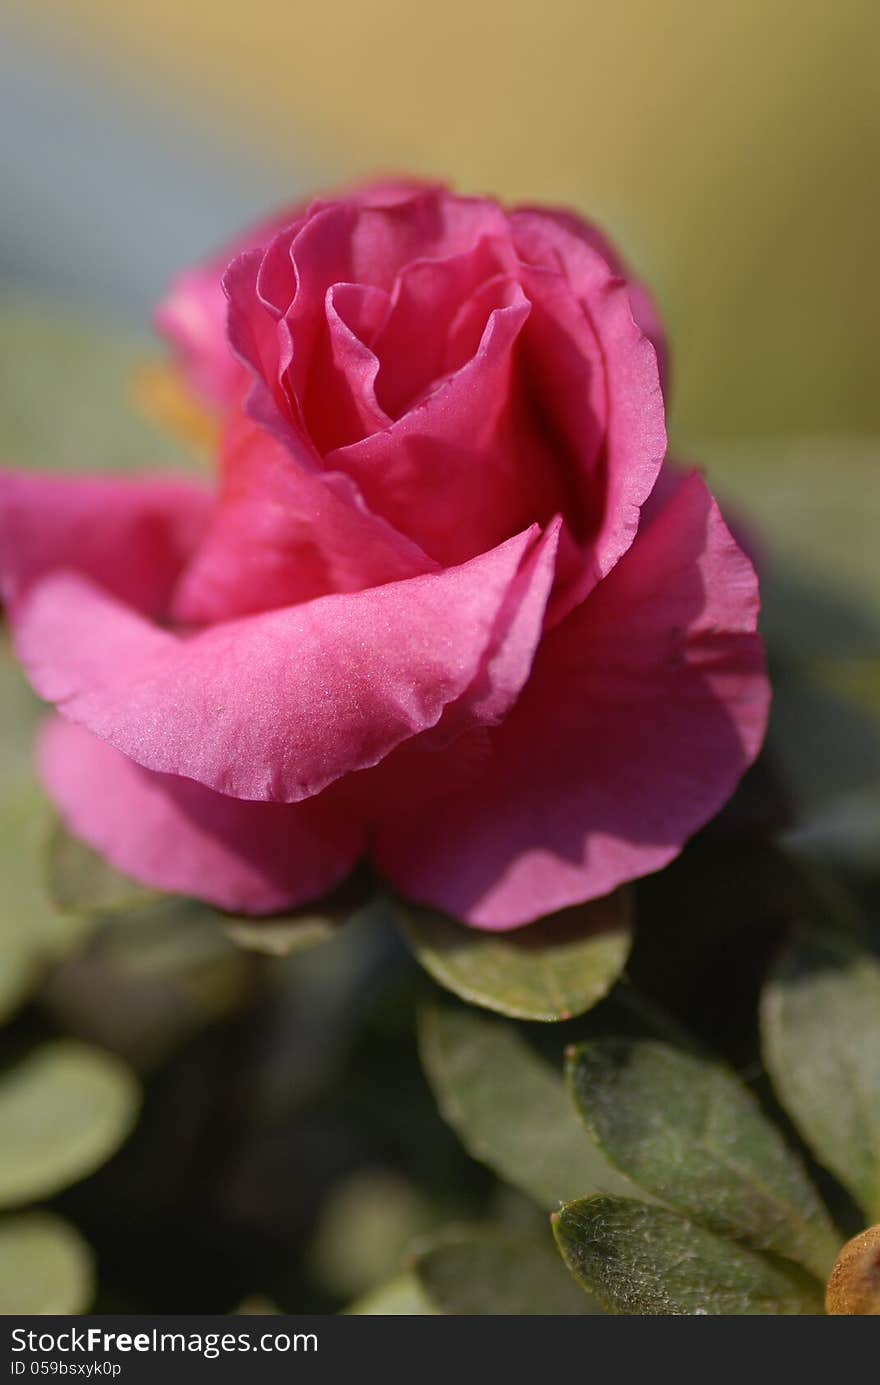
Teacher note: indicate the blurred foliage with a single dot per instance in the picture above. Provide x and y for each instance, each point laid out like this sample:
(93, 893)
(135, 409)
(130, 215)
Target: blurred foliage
(64, 1108)
(821, 1026)
(45, 1266)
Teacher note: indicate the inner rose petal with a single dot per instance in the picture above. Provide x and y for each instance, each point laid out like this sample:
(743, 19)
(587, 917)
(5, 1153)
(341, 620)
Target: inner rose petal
(427, 295)
(339, 403)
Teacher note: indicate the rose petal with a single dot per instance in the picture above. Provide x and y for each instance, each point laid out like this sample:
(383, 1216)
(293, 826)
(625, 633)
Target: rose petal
(643, 710)
(634, 431)
(174, 835)
(275, 706)
(281, 535)
(131, 535)
(428, 291)
(644, 309)
(192, 315)
(340, 403)
(462, 468)
(367, 239)
(451, 754)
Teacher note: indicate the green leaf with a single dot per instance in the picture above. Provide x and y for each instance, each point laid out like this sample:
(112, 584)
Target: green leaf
(279, 937)
(304, 928)
(402, 1297)
(509, 1107)
(820, 1022)
(644, 1260)
(486, 1271)
(685, 1129)
(45, 1266)
(551, 970)
(64, 1109)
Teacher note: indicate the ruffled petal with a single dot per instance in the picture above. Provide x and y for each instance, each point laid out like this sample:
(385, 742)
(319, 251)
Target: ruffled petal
(340, 403)
(277, 299)
(281, 535)
(174, 835)
(130, 535)
(428, 291)
(626, 395)
(462, 468)
(644, 309)
(274, 706)
(192, 315)
(644, 708)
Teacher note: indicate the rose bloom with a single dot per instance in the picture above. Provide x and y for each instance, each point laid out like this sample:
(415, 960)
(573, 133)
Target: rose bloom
(446, 607)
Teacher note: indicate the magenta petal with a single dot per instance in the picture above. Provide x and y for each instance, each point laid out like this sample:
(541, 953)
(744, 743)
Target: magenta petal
(174, 835)
(281, 534)
(131, 535)
(456, 472)
(644, 309)
(339, 403)
(258, 341)
(427, 291)
(644, 708)
(192, 316)
(273, 706)
(278, 298)
(515, 637)
(454, 752)
(634, 423)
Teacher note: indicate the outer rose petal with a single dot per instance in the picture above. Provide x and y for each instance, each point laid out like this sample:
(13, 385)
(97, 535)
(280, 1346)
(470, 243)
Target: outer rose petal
(275, 706)
(175, 835)
(192, 316)
(192, 319)
(281, 534)
(635, 430)
(131, 535)
(644, 309)
(643, 710)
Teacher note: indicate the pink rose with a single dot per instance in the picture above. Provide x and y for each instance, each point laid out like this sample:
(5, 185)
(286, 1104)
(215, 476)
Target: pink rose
(444, 608)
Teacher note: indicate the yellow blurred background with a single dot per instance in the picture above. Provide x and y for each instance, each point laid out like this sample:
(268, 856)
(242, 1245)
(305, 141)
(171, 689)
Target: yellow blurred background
(731, 149)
